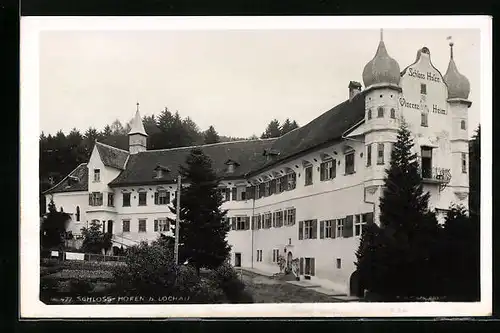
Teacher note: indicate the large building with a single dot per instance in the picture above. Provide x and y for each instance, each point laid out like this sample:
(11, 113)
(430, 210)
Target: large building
(306, 195)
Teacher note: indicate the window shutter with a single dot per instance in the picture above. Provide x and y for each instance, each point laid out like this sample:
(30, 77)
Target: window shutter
(322, 172)
(334, 168)
(301, 226)
(234, 194)
(334, 229)
(274, 220)
(156, 199)
(301, 264)
(247, 222)
(314, 229)
(233, 223)
(90, 199)
(348, 226)
(272, 188)
(322, 229)
(369, 218)
(312, 266)
(156, 225)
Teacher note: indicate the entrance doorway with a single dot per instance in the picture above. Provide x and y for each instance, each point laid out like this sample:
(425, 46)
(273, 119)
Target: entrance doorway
(289, 258)
(110, 226)
(237, 260)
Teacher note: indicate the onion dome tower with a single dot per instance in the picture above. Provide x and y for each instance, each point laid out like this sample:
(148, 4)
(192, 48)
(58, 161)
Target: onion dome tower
(381, 77)
(458, 106)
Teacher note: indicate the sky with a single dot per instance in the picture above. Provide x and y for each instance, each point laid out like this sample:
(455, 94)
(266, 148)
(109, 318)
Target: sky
(235, 80)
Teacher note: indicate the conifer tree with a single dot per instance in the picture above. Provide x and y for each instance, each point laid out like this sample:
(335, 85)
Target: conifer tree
(203, 230)
(402, 257)
(272, 130)
(211, 135)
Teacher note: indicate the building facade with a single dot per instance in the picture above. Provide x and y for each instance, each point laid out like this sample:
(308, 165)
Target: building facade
(305, 196)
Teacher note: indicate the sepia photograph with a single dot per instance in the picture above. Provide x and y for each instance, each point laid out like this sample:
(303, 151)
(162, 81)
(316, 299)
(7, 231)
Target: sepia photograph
(212, 166)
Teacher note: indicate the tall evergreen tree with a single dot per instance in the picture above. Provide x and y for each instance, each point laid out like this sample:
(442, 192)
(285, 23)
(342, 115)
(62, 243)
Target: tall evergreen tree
(107, 131)
(475, 175)
(203, 230)
(288, 126)
(211, 135)
(402, 262)
(272, 130)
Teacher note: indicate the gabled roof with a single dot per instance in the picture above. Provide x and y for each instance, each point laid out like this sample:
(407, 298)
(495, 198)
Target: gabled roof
(322, 130)
(81, 172)
(111, 156)
(140, 166)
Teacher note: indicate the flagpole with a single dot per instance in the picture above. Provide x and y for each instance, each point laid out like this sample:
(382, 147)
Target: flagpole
(177, 221)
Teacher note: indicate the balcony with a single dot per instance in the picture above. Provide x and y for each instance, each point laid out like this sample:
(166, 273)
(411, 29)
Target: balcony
(435, 175)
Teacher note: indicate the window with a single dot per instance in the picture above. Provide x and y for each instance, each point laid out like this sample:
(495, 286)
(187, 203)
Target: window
(328, 228)
(423, 119)
(308, 175)
(275, 255)
(143, 198)
(393, 113)
(97, 175)
(359, 223)
(464, 162)
(111, 199)
(462, 124)
(380, 112)
(339, 263)
(309, 266)
(77, 213)
(267, 185)
(349, 163)
(142, 225)
(423, 89)
(310, 228)
(95, 199)
(162, 197)
(161, 225)
(289, 216)
(369, 155)
(267, 220)
(126, 199)
(240, 223)
(426, 153)
(340, 227)
(126, 225)
(279, 219)
(292, 180)
(369, 114)
(234, 194)
(380, 153)
(328, 170)
(259, 255)
(228, 194)
(243, 196)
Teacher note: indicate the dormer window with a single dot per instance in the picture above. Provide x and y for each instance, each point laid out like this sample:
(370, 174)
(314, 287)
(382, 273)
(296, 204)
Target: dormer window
(231, 165)
(160, 171)
(72, 180)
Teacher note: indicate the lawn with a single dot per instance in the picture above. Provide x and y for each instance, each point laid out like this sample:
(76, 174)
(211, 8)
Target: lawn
(267, 290)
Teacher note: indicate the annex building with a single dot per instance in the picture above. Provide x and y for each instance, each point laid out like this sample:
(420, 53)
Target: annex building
(307, 194)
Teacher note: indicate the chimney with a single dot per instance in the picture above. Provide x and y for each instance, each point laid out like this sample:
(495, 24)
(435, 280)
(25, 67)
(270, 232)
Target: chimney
(354, 89)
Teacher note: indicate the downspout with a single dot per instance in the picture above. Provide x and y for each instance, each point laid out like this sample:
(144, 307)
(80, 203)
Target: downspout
(253, 223)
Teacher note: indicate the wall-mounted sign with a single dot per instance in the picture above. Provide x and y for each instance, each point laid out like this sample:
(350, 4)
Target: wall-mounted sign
(437, 109)
(420, 106)
(429, 76)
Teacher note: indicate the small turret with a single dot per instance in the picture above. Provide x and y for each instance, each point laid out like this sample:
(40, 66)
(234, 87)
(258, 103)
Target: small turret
(137, 137)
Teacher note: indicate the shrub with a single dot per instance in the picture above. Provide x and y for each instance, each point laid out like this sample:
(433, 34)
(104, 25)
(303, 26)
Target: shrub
(80, 287)
(227, 279)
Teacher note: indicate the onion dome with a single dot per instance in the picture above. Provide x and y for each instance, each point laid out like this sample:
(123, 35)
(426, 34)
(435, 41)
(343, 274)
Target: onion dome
(458, 84)
(382, 68)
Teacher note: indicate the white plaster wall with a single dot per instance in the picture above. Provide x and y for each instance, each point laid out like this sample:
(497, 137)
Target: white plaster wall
(69, 201)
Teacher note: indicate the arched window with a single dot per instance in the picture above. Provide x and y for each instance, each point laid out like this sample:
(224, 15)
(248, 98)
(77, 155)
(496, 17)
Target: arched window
(369, 114)
(380, 112)
(393, 113)
(462, 124)
(77, 213)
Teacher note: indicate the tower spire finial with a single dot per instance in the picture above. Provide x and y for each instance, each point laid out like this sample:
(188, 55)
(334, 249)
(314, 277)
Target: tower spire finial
(381, 35)
(137, 106)
(451, 46)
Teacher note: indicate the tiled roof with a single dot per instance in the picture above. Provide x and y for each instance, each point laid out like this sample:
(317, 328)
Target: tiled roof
(111, 156)
(140, 167)
(322, 130)
(81, 172)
